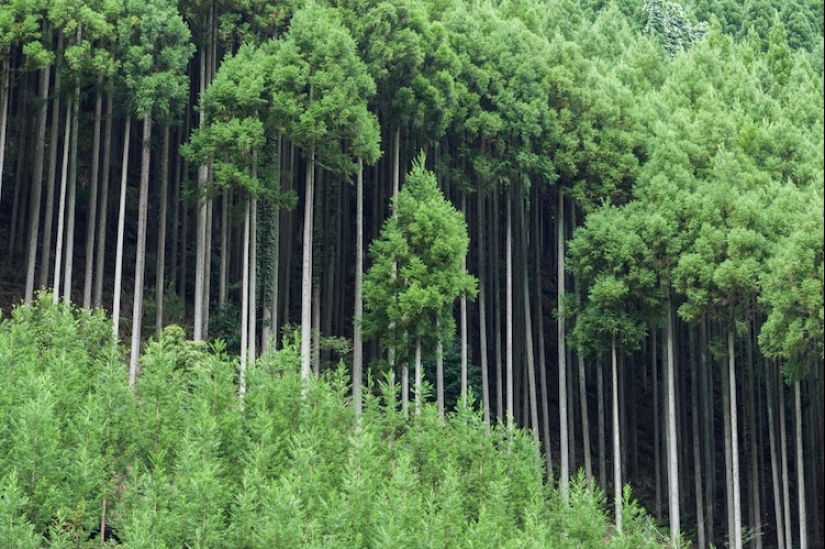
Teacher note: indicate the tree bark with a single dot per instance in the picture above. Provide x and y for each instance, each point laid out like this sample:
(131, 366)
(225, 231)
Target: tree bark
(800, 467)
(561, 335)
(776, 473)
(737, 504)
(160, 271)
(357, 343)
(306, 269)
(4, 110)
(121, 225)
(104, 204)
(617, 448)
(54, 145)
(509, 311)
(482, 311)
(673, 456)
(72, 199)
(140, 256)
(61, 209)
(244, 299)
(88, 281)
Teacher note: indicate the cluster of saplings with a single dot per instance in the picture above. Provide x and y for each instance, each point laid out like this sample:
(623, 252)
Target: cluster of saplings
(181, 459)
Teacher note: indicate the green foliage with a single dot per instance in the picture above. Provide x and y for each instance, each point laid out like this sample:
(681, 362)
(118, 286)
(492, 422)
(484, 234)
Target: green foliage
(177, 462)
(417, 271)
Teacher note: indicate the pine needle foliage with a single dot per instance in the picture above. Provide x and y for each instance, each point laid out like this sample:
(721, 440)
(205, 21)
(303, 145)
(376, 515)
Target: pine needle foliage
(176, 461)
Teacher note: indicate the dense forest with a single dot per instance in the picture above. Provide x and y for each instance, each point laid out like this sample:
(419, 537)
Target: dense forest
(600, 221)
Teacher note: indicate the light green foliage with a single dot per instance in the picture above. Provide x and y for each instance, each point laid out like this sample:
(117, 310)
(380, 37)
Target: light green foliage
(180, 464)
(417, 271)
(669, 20)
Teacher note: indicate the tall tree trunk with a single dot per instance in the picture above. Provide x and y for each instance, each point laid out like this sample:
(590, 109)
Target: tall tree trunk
(271, 325)
(697, 461)
(752, 432)
(602, 434)
(245, 299)
(418, 375)
(496, 306)
(93, 197)
(203, 252)
(561, 337)
(439, 374)
(672, 454)
(54, 145)
(253, 274)
(71, 207)
(482, 311)
(509, 311)
(734, 442)
(528, 329)
(357, 343)
(223, 274)
(786, 478)
(800, 467)
(708, 422)
(306, 268)
(121, 226)
(140, 256)
(617, 448)
(104, 204)
(160, 272)
(545, 393)
(463, 313)
(776, 473)
(61, 210)
(4, 109)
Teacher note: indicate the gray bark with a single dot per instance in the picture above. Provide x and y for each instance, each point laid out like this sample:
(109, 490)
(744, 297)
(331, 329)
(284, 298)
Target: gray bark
(121, 226)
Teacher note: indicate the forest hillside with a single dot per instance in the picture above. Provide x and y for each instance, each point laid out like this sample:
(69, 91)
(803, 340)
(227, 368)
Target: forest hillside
(599, 221)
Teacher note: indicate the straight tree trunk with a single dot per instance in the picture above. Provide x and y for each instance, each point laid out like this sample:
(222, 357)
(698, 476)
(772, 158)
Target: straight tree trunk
(545, 394)
(439, 375)
(617, 448)
(418, 375)
(673, 456)
(203, 252)
(61, 210)
(786, 478)
(737, 505)
(800, 467)
(54, 144)
(602, 434)
(71, 207)
(528, 330)
(224, 268)
(751, 413)
(253, 275)
(496, 307)
(697, 461)
(509, 311)
(357, 343)
(140, 257)
(776, 473)
(245, 299)
(463, 314)
(482, 311)
(121, 226)
(104, 205)
(561, 337)
(160, 272)
(4, 109)
(306, 269)
(88, 281)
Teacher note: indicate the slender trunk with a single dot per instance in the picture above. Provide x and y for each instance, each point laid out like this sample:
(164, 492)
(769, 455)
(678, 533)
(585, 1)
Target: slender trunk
(71, 207)
(602, 434)
(160, 272)
(482, 312)
(140, 256)
(657, 444)
(753, 432)
(121, 223)
(528, 329)
(800, 468)
(61, 210)
(786, 478)
(439, 374)
(775, 468)
(202, 254)
(734, 436)
(224, 268)
(357, 344)
(563, 435)
(244, 299)
(4, 109)
(306, 268)
(617, 448)
(104, 204)
(418, 375)
(545, 394)
(509, 311)
(93, 192)
(588, 460)
(253, 274)
(728, 455)
(673, 456)
(708, 421)
(697, 463)
(496, 306)
(54, 143)
(463, 309)
(37, 182)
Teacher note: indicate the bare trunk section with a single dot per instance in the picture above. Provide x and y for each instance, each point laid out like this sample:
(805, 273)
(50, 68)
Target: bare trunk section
(800, 467)
(72, 199)
(93, 198)
(482, 311)
(617, 447)
(4, 110)
(306, 268)
(564, 481)
(734, 437)
(776, 473)
(697, 458)
(104, 205)
(121, 226)
(244, 299)
(545, 394)
(463, 313)
(140, 256)
(509, 311)
(357, 343)
(528, 329)
(160, 271)
(418, 375)
(602, 434)
(61, 209)
(672, 454)
(54, 142)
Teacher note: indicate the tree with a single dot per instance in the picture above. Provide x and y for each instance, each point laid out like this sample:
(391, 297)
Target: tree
(417, 271)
